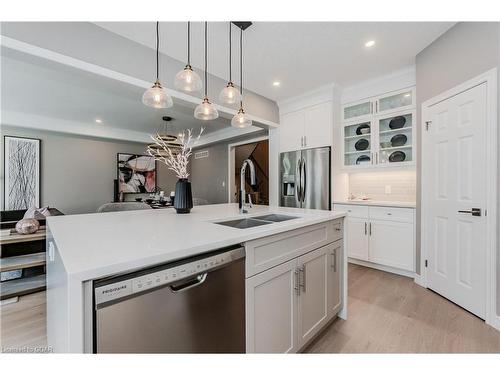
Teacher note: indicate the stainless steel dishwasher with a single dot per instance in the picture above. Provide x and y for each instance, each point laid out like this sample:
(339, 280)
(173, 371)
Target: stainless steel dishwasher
(196, 305)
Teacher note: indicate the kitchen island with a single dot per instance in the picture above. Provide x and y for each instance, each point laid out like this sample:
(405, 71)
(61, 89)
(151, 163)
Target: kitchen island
(85, 248)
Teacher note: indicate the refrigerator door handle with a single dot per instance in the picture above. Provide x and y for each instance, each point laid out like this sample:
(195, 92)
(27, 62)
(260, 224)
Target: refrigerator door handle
(303, 180)
(298, 180)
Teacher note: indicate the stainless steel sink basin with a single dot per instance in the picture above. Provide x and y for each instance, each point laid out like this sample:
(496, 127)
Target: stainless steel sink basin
(244, 223)
(274, 217)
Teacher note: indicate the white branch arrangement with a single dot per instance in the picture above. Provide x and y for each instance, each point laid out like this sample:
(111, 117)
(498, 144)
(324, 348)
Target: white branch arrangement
(175, 158)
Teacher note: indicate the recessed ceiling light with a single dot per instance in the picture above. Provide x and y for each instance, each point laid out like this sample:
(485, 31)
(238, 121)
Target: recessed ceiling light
(98, 120)
(276, 83)
(370, 43)
(407, 95)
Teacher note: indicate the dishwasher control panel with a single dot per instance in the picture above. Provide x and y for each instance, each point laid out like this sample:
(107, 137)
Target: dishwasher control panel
(165, 276)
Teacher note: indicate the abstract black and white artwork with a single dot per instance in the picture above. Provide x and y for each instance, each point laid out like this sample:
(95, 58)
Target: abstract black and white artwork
(22, 173)
(136, 173)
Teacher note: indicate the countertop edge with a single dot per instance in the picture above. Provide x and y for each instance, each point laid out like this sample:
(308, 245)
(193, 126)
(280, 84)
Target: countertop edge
(379, 204)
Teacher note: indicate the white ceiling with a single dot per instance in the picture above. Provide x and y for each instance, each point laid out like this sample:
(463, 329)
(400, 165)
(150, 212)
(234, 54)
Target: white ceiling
(36, 87)
(301, 55)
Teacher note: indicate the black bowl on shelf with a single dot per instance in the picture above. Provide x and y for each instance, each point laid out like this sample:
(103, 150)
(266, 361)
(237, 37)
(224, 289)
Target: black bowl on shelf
(138, 199)
(399, 140)
(397, 122)
(362, 159)
(149, 200)
(362, 126)
(361, 144)
(397, 156)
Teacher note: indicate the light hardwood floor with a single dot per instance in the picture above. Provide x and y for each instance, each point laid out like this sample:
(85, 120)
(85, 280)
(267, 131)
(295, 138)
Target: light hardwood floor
(387, 314)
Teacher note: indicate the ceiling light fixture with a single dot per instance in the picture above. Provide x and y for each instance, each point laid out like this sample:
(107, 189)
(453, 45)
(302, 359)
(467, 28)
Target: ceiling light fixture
(229, 94)
(156, 96)
(206, 110)
(98, 120)
(187, 79)
(163, 138)
(276, 83)
(370, 43)
(241, 119)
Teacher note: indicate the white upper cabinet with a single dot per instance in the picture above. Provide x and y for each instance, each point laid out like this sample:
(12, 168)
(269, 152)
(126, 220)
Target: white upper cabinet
(357, 110)
(292, 131)
(309, 127)
(380, 131)
(318, 125)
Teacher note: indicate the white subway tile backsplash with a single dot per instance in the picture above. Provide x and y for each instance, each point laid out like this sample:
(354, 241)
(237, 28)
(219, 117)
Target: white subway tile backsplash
(373, 185)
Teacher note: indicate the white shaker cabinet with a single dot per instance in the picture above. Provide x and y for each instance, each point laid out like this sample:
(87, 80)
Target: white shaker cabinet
(381, 235)
(309, 127)
(313, 293)
(289, 303)
(271, 310)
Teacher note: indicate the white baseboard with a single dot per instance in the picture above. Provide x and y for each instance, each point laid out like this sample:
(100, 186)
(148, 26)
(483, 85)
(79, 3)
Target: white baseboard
(419, 280)
(381, 267)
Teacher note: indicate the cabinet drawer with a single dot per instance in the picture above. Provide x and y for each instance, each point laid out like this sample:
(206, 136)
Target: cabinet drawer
(267, 252)
(354, 211)
(392, 213)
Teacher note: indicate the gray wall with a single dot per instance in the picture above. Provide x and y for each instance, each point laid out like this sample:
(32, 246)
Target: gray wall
(463, 52)
(208, 175)
(88, 42)
(78, 172)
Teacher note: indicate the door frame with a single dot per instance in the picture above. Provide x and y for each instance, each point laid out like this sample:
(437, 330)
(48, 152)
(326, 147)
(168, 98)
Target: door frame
(491, 80)
(230, 160)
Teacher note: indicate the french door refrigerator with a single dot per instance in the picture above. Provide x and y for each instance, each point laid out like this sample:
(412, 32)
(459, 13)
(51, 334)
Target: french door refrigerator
(305, 178)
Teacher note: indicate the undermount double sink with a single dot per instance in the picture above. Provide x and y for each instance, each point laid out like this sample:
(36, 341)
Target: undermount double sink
(256, 221)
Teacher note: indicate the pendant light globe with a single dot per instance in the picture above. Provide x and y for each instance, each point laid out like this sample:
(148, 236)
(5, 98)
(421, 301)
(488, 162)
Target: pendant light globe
(241, 120)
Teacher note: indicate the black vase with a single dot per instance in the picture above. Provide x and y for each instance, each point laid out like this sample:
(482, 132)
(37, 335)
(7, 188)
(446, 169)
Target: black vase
(183, 201)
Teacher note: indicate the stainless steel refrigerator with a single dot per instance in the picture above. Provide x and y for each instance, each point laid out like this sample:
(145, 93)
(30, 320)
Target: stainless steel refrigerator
(305, 178)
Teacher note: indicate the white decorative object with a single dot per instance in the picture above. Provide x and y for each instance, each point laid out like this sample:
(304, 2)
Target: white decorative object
(27, 226)
(179, 160)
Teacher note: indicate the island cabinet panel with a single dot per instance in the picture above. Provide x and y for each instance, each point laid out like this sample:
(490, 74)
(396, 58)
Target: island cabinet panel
(263, 253)
(289, 303)
(336, 256)
(313, 293)
(271, 301)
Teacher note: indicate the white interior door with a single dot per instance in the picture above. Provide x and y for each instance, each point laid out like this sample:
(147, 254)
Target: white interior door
(454, 156)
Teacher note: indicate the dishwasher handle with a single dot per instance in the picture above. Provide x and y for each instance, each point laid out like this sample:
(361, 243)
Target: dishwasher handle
(193, 283)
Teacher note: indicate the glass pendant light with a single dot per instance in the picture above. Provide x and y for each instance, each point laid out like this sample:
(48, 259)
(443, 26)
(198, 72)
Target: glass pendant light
(241, 119)
(156, 96)
(206, 110)
(229, 94)
(187, 79)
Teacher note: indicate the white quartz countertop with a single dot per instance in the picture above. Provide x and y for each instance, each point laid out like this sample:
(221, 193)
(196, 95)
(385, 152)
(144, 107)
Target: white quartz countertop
(370, 202)
(102, 244)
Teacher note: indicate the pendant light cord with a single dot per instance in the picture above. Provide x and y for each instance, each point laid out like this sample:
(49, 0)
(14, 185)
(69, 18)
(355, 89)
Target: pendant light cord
(157, 50)
(241, 67)
(206, 60)
(189, 43)
(230, 54)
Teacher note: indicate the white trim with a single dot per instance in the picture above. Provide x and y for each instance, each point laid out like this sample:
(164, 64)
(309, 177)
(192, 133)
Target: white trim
(381, 267)
(105, 72)
(230, 163)
(394, 81)
(490, 78)
(314, 97)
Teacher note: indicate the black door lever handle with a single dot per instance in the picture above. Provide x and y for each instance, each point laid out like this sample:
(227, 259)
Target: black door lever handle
(473, 212)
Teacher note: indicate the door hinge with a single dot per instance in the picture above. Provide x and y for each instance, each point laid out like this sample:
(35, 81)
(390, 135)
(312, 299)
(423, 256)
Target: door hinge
(427, 124)
(426, 263)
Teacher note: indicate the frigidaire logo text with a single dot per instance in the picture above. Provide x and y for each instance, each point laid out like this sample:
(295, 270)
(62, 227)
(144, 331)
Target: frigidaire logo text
(115, 289)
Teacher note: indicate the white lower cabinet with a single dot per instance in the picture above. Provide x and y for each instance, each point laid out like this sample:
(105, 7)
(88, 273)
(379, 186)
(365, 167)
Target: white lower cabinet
(271, 308)
(381, 235)
(287, 305)
(357, 238)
